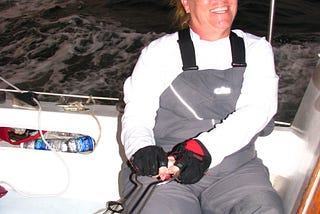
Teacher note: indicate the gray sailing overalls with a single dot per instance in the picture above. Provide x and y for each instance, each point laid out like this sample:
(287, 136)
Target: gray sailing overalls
(195, 102)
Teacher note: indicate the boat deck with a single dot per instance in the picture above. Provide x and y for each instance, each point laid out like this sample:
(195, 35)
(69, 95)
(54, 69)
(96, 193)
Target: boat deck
(83, 183)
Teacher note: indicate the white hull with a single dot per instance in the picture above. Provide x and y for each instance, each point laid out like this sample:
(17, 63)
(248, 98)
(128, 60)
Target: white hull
(93, 177)
(289, 152)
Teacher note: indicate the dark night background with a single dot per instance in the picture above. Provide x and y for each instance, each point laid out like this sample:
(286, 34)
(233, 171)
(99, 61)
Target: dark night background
(89, 47)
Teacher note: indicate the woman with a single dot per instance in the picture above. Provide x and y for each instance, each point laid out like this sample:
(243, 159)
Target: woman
(200, 97)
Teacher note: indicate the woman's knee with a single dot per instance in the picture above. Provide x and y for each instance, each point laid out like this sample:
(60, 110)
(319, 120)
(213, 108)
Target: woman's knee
(266, 202)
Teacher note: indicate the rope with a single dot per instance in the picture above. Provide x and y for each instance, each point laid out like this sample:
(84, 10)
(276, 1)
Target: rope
(16, 90)
(32, 195)
(79, 108)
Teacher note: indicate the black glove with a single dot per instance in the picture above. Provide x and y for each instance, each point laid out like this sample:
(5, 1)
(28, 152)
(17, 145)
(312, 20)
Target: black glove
(193, 159)
(148, 160)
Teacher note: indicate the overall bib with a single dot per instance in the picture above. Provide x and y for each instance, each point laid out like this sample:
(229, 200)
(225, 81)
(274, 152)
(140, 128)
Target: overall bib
(195, 102)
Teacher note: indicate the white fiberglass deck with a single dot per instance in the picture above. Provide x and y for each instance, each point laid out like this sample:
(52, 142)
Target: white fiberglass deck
(94, 177)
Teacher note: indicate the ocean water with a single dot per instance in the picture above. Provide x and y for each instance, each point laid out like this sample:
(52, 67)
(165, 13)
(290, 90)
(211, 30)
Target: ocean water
(90, 47)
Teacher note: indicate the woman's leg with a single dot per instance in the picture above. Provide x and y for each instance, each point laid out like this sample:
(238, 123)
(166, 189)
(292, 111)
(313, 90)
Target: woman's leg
(244, 191)
(167, 198)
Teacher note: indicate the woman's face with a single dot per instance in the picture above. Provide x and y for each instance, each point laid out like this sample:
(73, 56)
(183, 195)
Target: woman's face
(211, 19)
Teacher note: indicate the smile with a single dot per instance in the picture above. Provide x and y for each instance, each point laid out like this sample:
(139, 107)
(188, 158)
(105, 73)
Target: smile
(219, 10)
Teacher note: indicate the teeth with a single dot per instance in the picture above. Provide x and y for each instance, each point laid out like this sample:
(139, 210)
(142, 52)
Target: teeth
(218, 10)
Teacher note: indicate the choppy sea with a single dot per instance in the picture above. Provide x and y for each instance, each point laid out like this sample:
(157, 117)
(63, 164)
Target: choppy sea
(90, 47)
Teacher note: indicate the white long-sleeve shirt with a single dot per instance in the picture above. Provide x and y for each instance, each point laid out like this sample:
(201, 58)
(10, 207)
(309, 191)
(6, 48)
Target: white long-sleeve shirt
(159, 64)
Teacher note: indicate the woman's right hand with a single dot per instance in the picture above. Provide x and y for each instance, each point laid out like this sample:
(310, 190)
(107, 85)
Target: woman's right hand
(150, 161)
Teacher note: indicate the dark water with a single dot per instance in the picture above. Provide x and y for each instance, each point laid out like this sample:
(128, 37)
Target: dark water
(90, 47)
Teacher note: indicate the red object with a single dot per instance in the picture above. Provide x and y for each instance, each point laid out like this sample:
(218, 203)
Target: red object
(4, 135)
(3, 191)
(193, 145)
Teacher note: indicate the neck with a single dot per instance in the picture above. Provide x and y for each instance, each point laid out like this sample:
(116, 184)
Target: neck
(211, 35)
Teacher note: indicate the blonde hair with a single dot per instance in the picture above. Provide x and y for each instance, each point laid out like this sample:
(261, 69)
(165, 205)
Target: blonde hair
(181, 17)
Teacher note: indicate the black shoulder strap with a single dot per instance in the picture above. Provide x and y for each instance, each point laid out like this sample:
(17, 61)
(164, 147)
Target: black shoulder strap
(187, 50)
(238, 51)
(188, 54)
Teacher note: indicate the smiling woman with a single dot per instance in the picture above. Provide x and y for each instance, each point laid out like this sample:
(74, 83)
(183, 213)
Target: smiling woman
(220, 17)
(205, 105)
